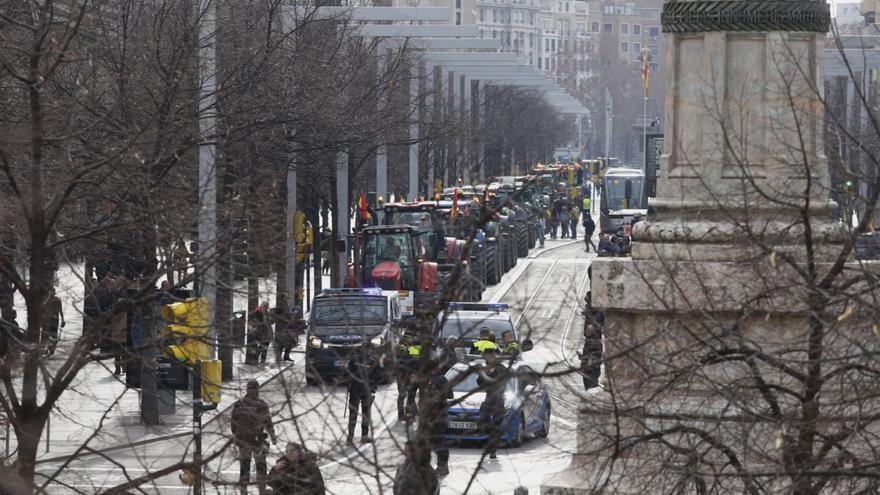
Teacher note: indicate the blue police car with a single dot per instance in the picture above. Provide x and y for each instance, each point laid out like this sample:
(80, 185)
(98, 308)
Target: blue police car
(526, 403)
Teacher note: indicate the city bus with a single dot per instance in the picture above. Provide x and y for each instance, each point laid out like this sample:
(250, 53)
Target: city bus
(622, 196)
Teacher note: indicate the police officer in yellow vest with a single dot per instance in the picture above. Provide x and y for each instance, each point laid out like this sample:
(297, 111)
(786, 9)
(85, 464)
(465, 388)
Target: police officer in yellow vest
(407, 384)
(586, 203)
(511, 346)
(485, 342)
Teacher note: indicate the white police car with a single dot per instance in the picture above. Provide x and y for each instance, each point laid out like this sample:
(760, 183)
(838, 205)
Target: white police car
(526, 404)
(463, 321)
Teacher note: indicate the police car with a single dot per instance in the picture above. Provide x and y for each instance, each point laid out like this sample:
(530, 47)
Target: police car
(342, 321)
(526, 404)
(463, 322)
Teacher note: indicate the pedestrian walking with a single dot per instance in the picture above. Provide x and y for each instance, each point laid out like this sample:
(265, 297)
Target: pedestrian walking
(252, 425)
(589, 229)
(52, 316)
(574, 216)
(415, 475)
(564, 221)
(286, 322)
(261, 331)
(296, 473)
(363, 378)
(118, 329)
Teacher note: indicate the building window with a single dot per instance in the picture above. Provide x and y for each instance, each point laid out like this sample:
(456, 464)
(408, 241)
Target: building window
(637, 29)
(566, 6)
(458, 18)
(546, 63)
(594, 27)
(654, 67)
(624, 47)
(539, 62)
(637, 49)
(607, 28)
(458, 4)
(654, 32)
(624, 28)
(553, 46)
(580, 27)
(482, 14)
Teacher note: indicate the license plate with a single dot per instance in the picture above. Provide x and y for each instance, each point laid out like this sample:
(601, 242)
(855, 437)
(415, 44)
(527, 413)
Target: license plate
(340, 363)
(462, 425)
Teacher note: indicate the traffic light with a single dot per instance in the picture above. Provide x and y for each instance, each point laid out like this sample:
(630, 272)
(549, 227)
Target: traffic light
(302, 236)
(188, 330)
(438, 189)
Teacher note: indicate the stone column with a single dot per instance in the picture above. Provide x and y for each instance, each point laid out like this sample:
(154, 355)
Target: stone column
(730, 263)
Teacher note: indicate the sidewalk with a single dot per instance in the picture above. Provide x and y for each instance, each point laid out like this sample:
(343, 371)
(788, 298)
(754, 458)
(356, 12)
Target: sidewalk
(98, 404)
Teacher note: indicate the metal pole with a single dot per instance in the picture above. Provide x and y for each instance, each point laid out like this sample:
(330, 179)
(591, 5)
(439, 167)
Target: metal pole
(290, 248)
(343, 213)
(431, 88)
(414, 132)
(464, 117)
(645, 134)
(609, 122)
(381, 153)
(197, 427)
(207, 216)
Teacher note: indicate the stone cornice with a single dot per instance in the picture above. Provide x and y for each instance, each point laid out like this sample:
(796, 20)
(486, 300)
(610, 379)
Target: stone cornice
(746, 15)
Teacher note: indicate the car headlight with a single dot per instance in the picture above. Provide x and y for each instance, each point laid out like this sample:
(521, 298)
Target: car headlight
(377, 341)
(315, 342)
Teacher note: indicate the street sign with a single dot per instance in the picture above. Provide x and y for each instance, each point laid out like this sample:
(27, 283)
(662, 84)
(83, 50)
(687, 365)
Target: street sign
(654, 150)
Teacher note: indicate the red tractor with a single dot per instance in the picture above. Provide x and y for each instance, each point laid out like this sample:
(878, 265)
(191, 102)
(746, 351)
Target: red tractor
(431, 221)
(392, 257)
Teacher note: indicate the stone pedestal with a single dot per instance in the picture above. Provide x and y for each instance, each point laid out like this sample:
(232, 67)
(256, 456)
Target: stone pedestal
(733, 330)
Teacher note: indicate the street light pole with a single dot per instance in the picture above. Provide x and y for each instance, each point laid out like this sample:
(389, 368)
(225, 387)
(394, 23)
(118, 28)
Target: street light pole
(207, 215)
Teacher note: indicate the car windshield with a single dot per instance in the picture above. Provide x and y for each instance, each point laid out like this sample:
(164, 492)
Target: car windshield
(616, 192)
(469, 328)
(339, 311)
(468, 382)
(387, 247)
(421, 220)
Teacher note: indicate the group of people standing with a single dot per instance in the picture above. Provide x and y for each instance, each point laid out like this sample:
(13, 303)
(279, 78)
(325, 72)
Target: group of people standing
(288, 325)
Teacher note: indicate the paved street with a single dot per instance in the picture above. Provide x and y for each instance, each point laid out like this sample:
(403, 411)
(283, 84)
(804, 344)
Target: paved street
(545, 292)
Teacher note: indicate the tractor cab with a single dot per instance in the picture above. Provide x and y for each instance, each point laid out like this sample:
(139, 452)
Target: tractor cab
(423, 218)
(390, 257)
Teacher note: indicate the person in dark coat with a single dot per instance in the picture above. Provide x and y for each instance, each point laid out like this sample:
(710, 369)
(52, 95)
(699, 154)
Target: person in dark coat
(589, 229)
(52, 320)
(433, 416)
(287, 320)
(415, 475)
(591, 357)
(261, 330)
(363, 377)
(492, 379)
(296, 473)
(251, 424)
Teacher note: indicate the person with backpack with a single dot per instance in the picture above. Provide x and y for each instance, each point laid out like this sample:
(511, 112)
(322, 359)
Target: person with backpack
(574, 216)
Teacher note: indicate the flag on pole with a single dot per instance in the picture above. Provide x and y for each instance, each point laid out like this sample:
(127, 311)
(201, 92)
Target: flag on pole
(362, 206)
(646, 70)
(454, 214)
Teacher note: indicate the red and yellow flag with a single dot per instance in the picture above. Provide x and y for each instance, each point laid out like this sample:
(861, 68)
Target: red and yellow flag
(362, 206)
(454, 213)
(646, 69)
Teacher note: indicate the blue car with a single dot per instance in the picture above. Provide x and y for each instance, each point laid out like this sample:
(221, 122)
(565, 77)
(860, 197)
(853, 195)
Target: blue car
(526, 404)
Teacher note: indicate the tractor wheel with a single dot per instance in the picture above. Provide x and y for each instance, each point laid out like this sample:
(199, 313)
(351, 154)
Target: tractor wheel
(493, 269)
(522, 244)
(533, 235)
